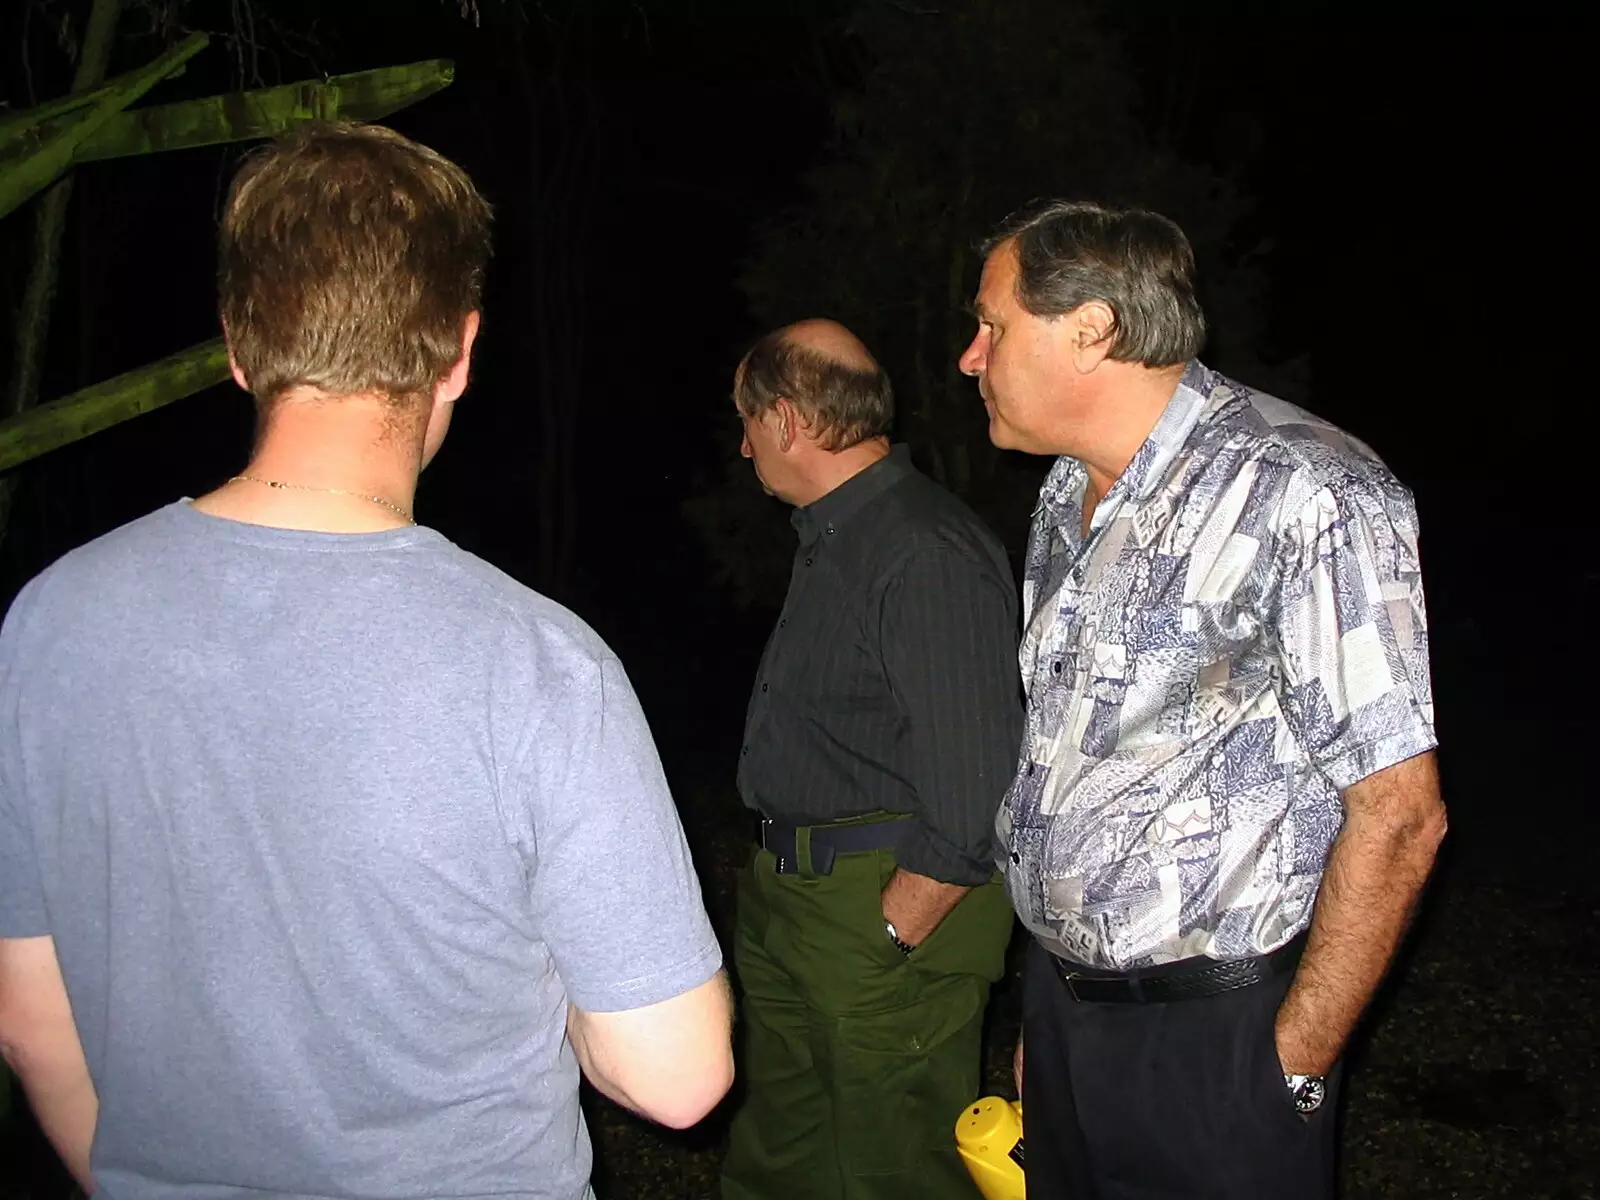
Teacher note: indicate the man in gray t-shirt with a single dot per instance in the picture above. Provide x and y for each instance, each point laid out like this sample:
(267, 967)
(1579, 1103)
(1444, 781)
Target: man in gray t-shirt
(347, 850)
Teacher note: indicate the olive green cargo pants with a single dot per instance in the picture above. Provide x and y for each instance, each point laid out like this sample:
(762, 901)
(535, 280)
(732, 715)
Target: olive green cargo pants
(856, 1059)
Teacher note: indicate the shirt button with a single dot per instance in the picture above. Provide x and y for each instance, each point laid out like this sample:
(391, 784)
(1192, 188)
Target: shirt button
(783, 622)
(808, 562)
(1055, 668)
(744, 751)
(763, 687)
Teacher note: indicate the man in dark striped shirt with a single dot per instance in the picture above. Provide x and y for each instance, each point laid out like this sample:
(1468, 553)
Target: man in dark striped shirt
(882, 732)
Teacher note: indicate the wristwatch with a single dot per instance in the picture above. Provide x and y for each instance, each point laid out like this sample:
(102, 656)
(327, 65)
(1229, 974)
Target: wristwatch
(894, 938)
(1307, 1091)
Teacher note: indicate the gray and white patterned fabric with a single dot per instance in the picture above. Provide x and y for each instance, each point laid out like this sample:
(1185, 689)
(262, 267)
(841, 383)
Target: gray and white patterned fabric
(1240, 637)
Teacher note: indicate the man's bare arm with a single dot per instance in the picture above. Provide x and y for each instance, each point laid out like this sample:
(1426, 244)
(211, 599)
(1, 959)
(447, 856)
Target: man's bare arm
(915, 904)
(1394, 821)
(39, 1041)
(670, 1061)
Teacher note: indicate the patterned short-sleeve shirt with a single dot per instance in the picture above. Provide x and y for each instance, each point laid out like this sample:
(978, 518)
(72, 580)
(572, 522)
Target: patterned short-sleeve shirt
(1240, 637)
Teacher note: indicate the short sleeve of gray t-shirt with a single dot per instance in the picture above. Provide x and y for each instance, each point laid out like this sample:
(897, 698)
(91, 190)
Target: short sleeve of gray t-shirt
(329, 830)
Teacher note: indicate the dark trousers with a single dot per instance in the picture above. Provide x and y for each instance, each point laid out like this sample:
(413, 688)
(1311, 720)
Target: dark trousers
(856, 1060)
(1137, 1101)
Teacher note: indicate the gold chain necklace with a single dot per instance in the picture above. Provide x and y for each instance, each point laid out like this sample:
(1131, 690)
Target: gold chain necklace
(300, 487)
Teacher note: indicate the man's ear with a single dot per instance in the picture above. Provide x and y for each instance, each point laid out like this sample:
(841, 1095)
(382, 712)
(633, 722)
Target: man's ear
(1092, 330)
(788, 418)
(233, 363)
(455, 382)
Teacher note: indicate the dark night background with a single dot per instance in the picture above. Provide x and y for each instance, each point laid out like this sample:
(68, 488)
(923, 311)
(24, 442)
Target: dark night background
(1387, 204)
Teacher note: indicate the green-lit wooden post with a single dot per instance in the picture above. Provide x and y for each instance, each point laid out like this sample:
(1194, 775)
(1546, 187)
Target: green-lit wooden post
(38, 145)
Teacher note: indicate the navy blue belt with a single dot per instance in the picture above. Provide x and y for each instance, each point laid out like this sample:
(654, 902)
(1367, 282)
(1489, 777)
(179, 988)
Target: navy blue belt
(827, 841)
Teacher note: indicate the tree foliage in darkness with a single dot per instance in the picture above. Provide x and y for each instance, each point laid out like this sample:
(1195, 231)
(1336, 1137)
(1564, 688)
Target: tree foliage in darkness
(945, 119)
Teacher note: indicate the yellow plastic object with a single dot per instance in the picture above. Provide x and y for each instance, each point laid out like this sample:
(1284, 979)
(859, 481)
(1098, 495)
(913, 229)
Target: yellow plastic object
(989, 1137)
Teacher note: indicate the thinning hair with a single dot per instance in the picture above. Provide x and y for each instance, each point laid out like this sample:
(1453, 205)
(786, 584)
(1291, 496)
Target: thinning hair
(844, 404)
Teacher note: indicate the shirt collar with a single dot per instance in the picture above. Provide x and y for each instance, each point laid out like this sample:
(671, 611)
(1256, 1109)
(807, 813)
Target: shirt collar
(1062, 492)
(829, 512)
(1154, 459)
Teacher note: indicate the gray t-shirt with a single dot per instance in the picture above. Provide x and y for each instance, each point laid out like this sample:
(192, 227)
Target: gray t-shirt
(329, 829)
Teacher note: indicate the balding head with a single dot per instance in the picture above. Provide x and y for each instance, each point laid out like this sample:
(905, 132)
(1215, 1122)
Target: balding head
(830, 340)
(826, 372)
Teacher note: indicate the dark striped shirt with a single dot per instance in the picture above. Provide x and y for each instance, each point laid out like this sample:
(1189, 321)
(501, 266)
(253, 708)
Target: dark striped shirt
(890, 682)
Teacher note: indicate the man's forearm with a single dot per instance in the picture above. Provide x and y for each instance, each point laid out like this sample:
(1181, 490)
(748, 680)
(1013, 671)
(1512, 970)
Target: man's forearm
(66, 1106)
(915, 904)
(39, 1039)
(1375, 874)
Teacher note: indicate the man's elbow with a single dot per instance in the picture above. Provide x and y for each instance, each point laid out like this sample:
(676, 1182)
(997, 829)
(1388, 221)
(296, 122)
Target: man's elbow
(671, 1062)
(1427, 826)
(1401, 808)
(700, 1079)
(1436, 823)
(692, 1103)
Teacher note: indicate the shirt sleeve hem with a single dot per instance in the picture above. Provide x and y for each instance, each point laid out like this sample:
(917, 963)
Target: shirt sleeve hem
(25, 929)
(653, 988)
(1360, 762)
(921, 855)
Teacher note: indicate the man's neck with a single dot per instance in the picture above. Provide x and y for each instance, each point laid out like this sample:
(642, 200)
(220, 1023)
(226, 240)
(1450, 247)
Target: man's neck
(339, 466)
(830, 469)
(1117, 421)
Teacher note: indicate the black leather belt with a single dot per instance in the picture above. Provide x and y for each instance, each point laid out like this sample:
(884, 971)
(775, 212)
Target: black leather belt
(827, 841)
(1187, 980)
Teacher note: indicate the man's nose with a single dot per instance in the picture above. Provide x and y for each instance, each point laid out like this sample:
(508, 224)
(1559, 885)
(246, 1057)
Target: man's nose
(973, 357)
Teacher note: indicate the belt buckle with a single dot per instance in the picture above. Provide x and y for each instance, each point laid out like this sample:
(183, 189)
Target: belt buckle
(1066, 978)
(1135, 988)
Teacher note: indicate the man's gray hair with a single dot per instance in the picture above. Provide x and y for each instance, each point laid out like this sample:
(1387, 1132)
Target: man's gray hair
(1139, 264)
(846, 404)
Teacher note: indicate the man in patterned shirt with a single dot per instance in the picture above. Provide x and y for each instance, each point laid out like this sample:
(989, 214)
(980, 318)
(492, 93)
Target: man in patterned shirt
(1226, 803)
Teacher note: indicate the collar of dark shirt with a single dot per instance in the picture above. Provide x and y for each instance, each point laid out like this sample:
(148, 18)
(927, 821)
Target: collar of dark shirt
(1062, 493)
(850, 497)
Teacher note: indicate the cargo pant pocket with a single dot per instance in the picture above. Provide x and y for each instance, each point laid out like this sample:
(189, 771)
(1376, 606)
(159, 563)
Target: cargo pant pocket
(901, 1077)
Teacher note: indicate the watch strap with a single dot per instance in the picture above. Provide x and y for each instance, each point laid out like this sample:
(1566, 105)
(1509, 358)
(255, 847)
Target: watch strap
(895, 940)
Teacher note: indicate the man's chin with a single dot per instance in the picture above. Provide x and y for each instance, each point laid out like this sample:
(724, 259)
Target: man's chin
(999, 435)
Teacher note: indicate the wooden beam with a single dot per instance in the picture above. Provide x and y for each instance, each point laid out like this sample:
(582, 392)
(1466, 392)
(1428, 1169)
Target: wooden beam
(266, 112)
(34, 158)
(72, 418)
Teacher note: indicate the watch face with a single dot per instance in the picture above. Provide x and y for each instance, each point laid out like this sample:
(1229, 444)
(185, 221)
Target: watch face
(1309, 1094)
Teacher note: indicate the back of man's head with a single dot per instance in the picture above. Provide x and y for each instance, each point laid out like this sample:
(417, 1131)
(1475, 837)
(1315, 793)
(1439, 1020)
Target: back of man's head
(827, 374)
(348, 261)
(1137, 263)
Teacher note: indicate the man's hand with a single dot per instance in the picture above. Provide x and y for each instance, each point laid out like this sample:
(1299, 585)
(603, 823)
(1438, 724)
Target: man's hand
(39, 1040)
(915, 904)
(1394, 821)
